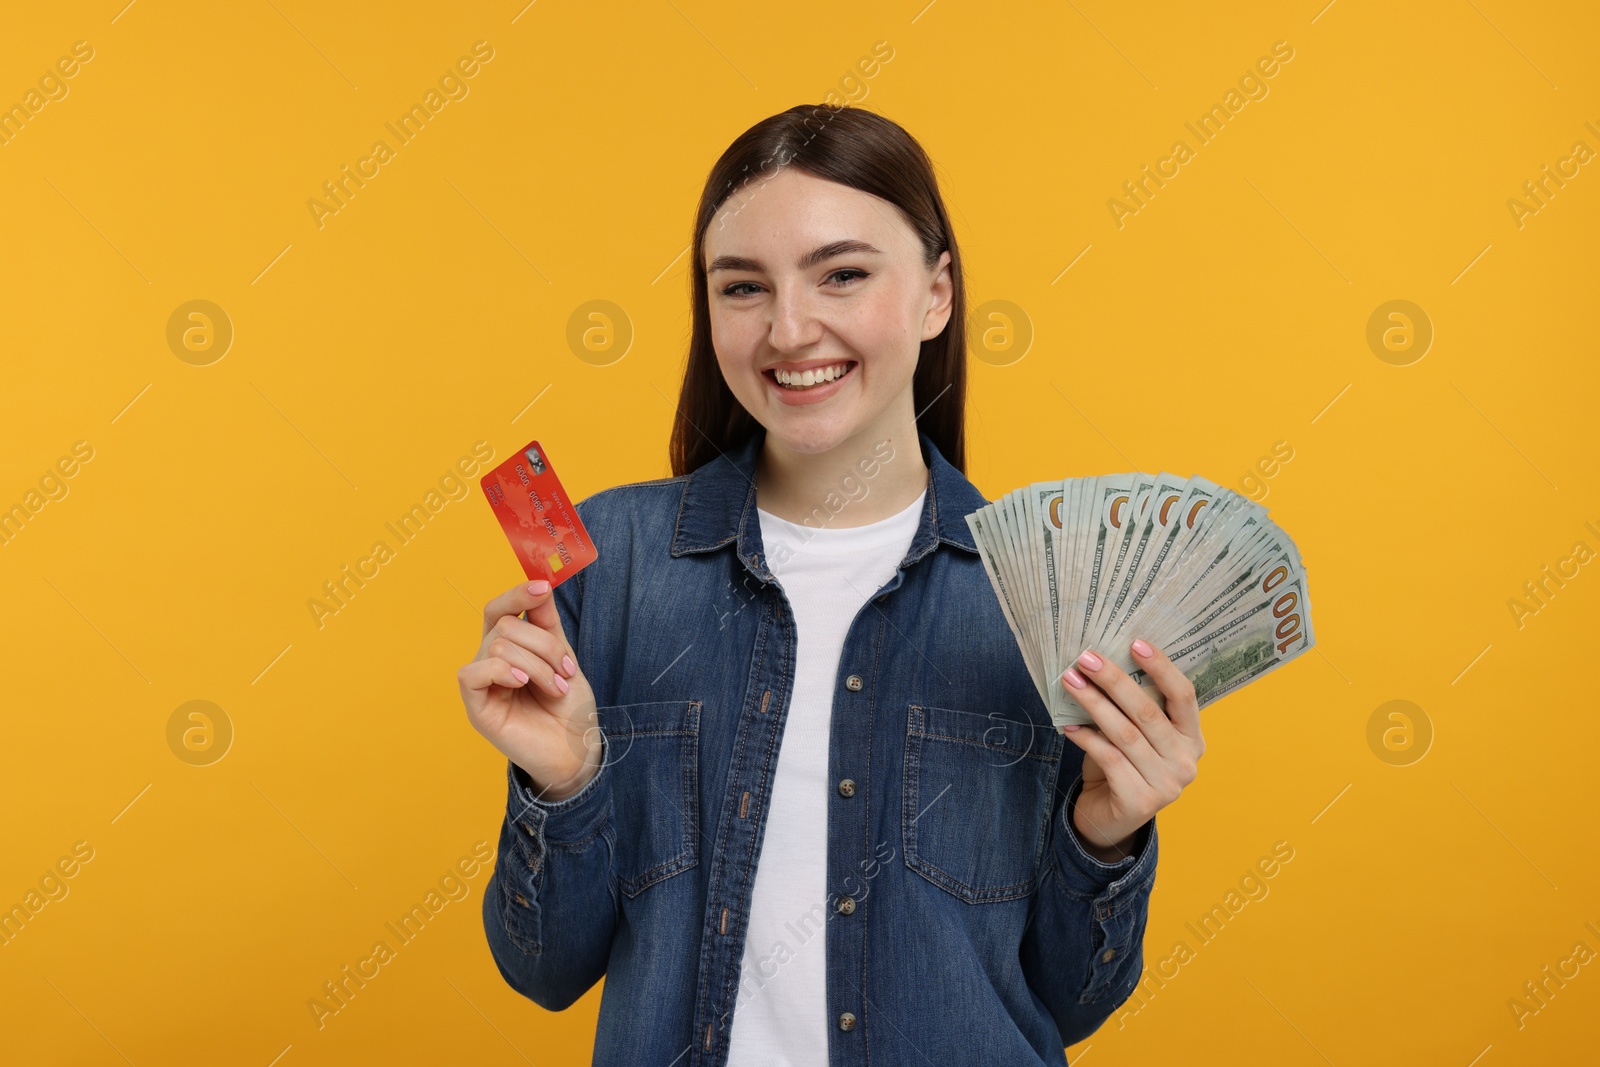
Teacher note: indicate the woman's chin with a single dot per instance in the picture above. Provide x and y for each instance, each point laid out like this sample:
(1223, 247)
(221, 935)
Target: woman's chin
(816, 437)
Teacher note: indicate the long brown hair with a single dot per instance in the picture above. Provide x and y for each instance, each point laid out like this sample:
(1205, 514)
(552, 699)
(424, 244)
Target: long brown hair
(865, 151)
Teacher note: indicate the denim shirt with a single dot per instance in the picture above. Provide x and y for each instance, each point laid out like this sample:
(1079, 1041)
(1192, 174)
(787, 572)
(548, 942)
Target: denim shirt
(963, 922)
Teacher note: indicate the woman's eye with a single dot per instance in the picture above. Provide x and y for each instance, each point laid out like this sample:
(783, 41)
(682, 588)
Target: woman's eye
(841, 278)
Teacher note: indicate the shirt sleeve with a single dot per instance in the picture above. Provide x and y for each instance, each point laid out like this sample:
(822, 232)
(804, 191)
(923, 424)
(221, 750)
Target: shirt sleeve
(550, 909)
(1083, 951)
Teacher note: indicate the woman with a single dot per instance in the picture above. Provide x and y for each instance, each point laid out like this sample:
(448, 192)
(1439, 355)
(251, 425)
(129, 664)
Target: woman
(824, 804)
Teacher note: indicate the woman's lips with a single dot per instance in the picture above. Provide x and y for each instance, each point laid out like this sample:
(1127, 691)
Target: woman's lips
(816, 393)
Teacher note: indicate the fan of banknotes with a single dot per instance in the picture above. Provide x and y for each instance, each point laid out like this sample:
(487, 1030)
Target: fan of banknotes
(1193, 568)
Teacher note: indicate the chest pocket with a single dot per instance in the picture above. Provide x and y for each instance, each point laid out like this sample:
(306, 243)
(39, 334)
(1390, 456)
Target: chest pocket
(977, 798)
(654, 761)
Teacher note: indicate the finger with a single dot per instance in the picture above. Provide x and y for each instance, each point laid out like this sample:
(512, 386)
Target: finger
(531, 597)
(536, 639)
(535, 666)
(1123, 777)
(542, 612)
(1183, 709)
(1117, 728)
(480, 674)
(1137, 705)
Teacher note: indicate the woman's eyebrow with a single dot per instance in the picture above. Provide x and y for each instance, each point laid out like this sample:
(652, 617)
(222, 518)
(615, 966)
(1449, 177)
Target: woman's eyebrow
(810, 259)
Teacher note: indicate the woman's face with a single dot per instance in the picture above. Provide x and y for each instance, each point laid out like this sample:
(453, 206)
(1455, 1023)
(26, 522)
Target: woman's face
(806, 275)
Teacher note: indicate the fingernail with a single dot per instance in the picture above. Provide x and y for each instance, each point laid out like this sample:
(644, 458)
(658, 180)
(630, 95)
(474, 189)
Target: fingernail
(1090, 660)
(541, 586)
(561, 683)
(567, 665)
(1074, 679)
(1141, 648)
(519, 675)
(1073, 726)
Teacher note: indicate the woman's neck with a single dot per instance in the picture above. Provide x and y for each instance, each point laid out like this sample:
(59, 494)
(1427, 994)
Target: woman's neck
(869, 477)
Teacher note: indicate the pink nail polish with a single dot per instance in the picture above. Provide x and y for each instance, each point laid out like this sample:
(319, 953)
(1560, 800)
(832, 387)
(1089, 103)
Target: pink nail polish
(1141, 648)
(1090, 660)
(541, 586)
(567, 665)
(1074, 679)
(561, 684)
(519, 674)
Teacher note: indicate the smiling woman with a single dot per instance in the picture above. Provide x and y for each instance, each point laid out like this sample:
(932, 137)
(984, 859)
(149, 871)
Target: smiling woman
(831, 311)
(736, 816)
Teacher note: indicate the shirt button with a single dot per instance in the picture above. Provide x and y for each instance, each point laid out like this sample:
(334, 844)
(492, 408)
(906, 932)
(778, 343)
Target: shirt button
(847, 906)
(847, 1021)
(1105, 957)
(847, 788)
(853, 683)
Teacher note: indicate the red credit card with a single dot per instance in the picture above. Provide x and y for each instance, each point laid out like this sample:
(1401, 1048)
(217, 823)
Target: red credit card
(538, 516)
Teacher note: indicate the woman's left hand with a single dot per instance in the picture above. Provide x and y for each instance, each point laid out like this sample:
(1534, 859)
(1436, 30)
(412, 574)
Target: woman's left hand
(1141, 757)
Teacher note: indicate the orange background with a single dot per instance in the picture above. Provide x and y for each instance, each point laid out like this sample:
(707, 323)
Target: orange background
(1226, 319)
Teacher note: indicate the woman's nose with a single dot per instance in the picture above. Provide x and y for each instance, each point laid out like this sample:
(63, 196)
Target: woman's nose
(794, 322)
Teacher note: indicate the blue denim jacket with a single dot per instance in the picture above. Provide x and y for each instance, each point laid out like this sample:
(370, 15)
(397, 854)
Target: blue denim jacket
(964, 921)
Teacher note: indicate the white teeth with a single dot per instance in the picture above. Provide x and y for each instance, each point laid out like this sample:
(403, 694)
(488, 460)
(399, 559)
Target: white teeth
(808, 378)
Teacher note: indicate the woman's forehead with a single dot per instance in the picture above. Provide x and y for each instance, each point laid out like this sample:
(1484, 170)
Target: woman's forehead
(783, 219)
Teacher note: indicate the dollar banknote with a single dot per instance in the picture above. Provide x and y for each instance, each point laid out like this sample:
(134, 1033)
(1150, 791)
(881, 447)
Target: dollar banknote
(1190, 566)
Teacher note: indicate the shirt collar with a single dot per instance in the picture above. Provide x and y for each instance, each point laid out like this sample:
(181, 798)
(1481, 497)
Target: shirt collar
(719, 505)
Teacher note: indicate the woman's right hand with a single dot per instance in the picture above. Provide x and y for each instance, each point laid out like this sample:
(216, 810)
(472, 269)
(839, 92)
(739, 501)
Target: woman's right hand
(527, 695)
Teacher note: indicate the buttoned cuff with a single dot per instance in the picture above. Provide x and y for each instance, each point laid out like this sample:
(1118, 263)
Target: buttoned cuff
(1089, 876)
(570, 821)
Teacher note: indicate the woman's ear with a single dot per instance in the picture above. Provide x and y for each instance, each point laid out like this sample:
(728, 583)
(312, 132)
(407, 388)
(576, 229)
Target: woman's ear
(941, 293)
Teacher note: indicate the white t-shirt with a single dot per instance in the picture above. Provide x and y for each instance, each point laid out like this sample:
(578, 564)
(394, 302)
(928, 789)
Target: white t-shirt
(781, 1011)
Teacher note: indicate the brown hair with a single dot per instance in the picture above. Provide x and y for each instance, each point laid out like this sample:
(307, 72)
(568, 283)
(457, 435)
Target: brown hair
(865, 151)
